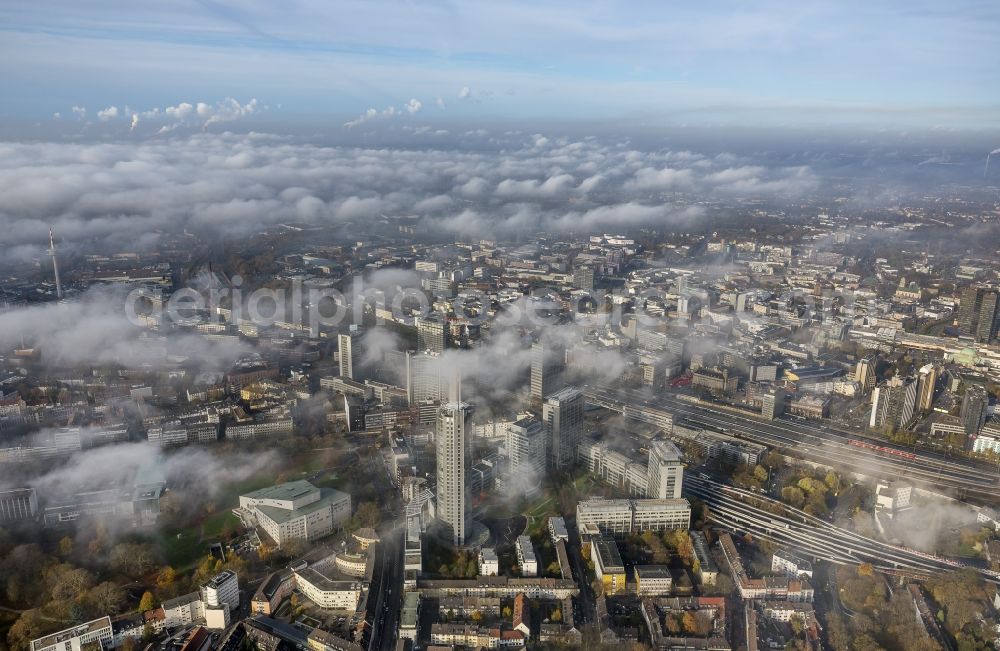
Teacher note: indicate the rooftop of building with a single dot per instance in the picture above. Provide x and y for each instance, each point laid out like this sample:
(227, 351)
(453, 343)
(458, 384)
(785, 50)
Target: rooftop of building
(182, 600)
(219, 579)
(667, 451)
(87, 628)
(331, 642)
(601, 504)
(269, 587)
(288, 491)
(525, 548)
(327, 496)
(566, 393)
(607, 552)
(325, 576)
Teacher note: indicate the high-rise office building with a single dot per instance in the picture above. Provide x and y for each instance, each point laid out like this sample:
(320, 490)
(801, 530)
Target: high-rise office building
(864, 374)
(424, 377)
(433, 334)
(562, 414)
(665, 472)
(978, 315)
(974, 406)
(349, 352)
(893, 403)
(772, 403)
(548, 362)
(926, 385)
(454, 431)
(526, 445)
(583, 277)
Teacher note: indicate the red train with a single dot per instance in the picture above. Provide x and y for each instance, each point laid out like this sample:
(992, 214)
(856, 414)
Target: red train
(681, 380)
(881, 448)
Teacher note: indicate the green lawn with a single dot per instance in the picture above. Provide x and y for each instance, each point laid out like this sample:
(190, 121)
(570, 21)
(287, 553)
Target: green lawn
(182, 548)
(216, 523)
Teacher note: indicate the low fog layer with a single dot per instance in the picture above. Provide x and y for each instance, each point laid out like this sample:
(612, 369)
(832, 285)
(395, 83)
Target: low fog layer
(122, 195)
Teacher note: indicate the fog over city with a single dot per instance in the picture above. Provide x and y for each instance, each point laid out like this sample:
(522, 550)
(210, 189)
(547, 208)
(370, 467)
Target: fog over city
(390, 326)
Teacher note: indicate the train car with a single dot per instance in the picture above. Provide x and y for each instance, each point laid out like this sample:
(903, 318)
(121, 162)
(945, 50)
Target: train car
(881, 449)
(690, 422)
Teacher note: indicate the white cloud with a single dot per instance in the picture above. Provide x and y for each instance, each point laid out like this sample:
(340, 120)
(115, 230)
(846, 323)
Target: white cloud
(590, 183)
(734, 174)
(201, 114)
(667, 178)
(413, 106)
(370, 114)
(132, 194)
(440, 103)
(109, 113)
(464, 93)
(180, 112)
(95, 329)
(229, 109)
(550, 187)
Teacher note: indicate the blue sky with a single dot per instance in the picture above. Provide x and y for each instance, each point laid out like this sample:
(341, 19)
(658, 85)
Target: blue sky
(915, 64)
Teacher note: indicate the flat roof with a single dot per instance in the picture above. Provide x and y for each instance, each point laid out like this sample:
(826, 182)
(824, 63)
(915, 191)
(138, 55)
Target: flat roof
(652, 572)
(70, 633)
(287, 491)
(525, 547)
(566, 393)
(607, 550)
(325, 576)
(219, 578)
(327, 497)
(599, 504)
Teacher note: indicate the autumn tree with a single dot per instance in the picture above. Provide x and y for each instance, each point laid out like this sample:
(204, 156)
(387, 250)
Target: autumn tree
(368, 514)
(69, 583)
(29, 626)
(793, 495)
(105, 599)
(148, 602)
(774, 460)
(689, 624)
(166, 577)
(132, 559)
(21, 568)
(66, 546)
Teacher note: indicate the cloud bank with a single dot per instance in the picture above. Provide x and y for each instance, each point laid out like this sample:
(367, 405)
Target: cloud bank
(125, 195)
